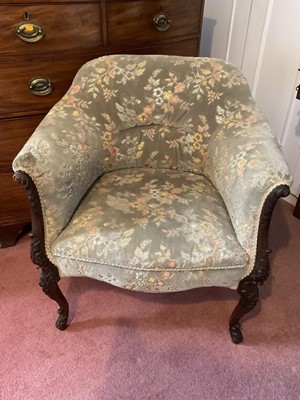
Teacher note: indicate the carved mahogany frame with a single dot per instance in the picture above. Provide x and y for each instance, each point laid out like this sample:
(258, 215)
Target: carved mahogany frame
(49, 272)
(247, 289)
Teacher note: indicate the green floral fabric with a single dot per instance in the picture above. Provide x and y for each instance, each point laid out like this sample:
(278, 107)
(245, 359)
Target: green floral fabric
(151, 221)
(133, 115)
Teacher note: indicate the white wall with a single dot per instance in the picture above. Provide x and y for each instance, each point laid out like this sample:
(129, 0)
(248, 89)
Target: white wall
(278, 77)
(262, 38)
(233, 30)
(216, 27)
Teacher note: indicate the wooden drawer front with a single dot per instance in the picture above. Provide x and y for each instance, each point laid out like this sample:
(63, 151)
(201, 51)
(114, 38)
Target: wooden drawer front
(15, 96)
(132, 21)
(66, 27)
(39, 1)
(13, 201)
(13, 135)
(184, 48)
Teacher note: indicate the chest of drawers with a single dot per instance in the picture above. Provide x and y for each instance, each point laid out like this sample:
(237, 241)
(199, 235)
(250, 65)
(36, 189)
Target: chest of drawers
(44, 43)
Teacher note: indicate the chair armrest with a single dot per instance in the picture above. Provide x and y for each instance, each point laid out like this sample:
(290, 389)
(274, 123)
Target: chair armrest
(63, 158)
(246, 164)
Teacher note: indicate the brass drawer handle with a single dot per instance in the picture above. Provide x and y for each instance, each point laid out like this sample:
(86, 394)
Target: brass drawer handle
(40, 86)
(161, 22)
(29, 31)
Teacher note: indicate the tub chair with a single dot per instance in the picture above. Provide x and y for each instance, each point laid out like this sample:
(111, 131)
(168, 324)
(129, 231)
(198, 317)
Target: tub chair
(155, 174)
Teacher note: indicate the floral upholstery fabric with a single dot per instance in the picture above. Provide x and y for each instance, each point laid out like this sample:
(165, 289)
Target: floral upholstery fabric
(152, 229)
(182, 114)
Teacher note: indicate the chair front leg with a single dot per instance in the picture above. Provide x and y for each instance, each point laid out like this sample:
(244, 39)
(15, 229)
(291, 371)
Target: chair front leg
(48, 280)
(248, 287)
(248, 290)
(48, 283)
(49, 275)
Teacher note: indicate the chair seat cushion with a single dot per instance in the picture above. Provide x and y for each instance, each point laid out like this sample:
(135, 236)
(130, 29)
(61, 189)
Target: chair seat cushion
(152, 230)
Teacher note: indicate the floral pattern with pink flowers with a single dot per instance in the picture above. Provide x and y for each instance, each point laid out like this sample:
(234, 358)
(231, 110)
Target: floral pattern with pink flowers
(152, 172)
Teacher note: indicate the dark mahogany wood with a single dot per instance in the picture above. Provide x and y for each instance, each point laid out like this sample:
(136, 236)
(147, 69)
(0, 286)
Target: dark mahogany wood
(48, 1)
(65, 27)
(296, 212)
(20, 101)
(75, 31)
(49, 273)
(178, 48)
(248, 287)
(132, 21)
(10, 234)
(14, 210)
(14, 134)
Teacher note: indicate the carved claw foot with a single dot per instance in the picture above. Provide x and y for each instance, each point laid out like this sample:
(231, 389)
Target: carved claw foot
(248, 291)
(48, 283)
(236, 334)
(62, 320)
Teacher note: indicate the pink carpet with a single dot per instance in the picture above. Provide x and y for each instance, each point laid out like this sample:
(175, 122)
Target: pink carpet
(124, 345)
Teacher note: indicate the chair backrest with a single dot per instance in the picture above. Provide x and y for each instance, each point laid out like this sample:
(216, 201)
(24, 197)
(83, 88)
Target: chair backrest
(123, 111)
(157, 111)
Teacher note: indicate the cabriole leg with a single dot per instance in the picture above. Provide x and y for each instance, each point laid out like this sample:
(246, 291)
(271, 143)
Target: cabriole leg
(248, 287)
(49, 275)
(248, 290)
(48, 283)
